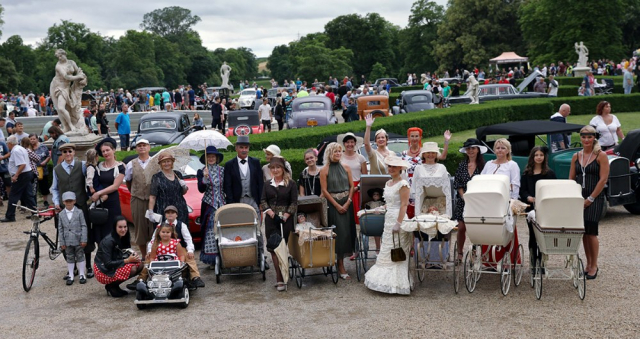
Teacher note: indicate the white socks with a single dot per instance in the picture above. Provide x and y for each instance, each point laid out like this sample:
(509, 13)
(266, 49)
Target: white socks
(71, 266)
(82, 268)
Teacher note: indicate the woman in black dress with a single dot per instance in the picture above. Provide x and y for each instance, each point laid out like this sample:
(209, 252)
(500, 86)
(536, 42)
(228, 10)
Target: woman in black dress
(280, 203)
(591, 169)
(472, 164)
(309, 179)
(537, 169)
(109, 177)
(168, 188)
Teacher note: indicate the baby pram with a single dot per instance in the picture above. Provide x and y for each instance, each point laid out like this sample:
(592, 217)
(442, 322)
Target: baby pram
(315, 247)
(237, 232)
(431, 250)
(558, 226)
(490, 222)
(371, 222)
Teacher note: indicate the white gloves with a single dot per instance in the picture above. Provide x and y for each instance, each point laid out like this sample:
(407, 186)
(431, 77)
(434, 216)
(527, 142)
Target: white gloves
(396, 227)
(153, 217)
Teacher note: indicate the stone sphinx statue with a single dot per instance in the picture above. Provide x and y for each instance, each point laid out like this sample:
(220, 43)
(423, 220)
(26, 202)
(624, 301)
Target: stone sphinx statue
(66, 94)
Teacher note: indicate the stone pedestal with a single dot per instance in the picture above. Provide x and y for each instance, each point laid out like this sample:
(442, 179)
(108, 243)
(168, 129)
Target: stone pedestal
(82, 142)
(580, 72)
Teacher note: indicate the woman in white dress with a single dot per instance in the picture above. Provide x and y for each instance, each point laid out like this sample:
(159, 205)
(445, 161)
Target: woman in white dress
(387, 276)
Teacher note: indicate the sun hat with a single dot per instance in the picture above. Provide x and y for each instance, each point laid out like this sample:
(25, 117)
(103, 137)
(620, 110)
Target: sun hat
(243, 140)
(342, 138)
(67, 145)
(430, 146)
(211, 150)
(278, 161)
(273, 149)
(473, 142)
(393, 160)
(166, 155)
(66, 196)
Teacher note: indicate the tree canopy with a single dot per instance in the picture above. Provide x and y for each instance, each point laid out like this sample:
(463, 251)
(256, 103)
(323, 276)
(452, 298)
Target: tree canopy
(169, 21)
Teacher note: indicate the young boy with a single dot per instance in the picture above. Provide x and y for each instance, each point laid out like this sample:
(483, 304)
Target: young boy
(73, 236)
(171, 216)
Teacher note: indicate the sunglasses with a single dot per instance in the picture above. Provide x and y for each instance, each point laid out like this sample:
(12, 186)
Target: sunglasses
(67, 151)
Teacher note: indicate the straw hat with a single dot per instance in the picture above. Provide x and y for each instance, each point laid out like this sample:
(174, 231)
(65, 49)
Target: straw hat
(393, 160)
(166, 155)
(472, 142)
(430, 146)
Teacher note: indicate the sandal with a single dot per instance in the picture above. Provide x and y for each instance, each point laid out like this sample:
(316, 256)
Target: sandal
(345, 276)
(281, 287)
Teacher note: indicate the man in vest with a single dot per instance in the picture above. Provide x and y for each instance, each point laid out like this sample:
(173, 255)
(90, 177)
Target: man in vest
(243, 181)
(21, 179)
(140, 191)
(69, 176)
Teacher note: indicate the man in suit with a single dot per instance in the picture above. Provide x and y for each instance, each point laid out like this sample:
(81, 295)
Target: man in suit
(243, 180)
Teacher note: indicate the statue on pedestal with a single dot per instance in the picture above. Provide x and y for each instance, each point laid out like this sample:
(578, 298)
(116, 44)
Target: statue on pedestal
(66, 94)
(474, 88)
(583, 54)
(224, 74)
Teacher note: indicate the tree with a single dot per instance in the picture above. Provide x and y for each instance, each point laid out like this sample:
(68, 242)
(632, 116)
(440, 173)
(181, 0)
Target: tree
(416, 41)
(1, 21)
(371, 39)
(378, 72)
(133, 66)
(279, 63)
(169, 22)
(23, 60)
(472, 32)
(631, 26)
(10, 79)
(311, 59)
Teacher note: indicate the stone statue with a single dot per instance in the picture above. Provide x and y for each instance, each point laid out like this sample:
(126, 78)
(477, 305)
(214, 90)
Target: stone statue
(474, 88)
(66, 94)
(583, 54)
(224, 74)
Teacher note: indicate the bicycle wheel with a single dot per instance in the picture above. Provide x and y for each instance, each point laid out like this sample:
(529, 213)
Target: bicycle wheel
(30, 263)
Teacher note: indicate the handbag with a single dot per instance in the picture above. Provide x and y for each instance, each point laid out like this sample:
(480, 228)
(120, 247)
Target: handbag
(98, 215)
(397, 253)
(275, 239)
(40, 172)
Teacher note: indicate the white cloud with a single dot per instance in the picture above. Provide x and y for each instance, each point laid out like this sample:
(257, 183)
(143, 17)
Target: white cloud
(259, 25)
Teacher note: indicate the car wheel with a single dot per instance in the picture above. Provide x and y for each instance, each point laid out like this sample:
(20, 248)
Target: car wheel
(377, 114)
(242, 130)
(633, 208)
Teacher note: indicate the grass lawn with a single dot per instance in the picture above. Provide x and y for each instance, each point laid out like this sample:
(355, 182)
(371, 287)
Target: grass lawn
(629, 121)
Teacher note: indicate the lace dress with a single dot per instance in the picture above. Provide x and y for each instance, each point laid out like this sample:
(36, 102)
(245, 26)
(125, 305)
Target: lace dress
(387, 276)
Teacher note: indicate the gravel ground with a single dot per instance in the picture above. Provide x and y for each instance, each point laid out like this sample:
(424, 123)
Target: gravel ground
(248, 307)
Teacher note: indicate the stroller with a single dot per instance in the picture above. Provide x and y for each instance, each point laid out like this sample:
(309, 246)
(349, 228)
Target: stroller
(490, 222)
(606, 87)
(164, 285)
(315, 247)
(237, 232)
(371, 223)
(558, 226)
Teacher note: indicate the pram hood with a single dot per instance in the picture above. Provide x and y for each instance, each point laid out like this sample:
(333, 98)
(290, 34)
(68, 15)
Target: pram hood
(487, 196)
(233, 214)
(559, 204)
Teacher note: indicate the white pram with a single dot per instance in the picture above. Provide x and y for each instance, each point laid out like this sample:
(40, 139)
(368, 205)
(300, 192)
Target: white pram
(490, 222)
(558, 224)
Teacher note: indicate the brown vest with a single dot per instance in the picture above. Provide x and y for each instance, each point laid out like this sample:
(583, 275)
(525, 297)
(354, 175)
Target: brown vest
(139, 187)
(74, 182)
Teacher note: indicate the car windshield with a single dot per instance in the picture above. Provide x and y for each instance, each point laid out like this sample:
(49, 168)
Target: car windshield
(419, 98)
(244, 118)
(158, 124)
(248, 92)
(314, 106)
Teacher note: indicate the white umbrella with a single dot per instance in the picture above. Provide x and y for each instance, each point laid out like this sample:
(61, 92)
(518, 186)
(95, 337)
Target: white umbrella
(181, 155)
(199, 140)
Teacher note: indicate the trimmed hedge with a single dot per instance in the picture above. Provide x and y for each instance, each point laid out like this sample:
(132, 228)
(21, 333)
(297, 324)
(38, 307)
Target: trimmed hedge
(587, 105)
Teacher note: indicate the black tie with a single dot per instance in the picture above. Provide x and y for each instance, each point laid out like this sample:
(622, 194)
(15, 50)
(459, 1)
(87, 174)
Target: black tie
(243, 161)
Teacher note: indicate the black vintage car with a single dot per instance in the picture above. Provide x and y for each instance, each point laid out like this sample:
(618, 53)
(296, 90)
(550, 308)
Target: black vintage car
(414, 101)
(163, 128)
(243, 122)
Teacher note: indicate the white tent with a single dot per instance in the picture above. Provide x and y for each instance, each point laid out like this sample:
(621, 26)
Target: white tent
(509, 58)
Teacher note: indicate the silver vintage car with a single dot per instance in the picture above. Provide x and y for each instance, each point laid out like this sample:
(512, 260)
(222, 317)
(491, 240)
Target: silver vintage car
(311, 111)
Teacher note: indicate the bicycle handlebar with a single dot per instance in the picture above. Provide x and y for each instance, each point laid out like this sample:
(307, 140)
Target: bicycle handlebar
(34, 211)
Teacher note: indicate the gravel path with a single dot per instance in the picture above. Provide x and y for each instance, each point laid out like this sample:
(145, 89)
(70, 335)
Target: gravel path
(248, 307)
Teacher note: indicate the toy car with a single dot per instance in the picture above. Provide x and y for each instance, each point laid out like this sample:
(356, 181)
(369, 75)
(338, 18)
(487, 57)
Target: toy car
(164, 285)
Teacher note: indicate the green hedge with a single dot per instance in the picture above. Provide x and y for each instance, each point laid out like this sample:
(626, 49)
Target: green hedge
(587, 105)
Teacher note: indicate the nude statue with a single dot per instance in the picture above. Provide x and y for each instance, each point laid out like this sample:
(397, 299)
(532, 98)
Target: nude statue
(224, 74)
(66, 93)
(474, 88)
(583, 54)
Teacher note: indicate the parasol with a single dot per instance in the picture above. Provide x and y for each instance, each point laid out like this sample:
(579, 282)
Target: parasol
(180, 154)
(198, 141)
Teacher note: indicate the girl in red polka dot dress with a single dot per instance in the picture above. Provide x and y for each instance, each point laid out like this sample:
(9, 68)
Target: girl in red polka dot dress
(166, 242)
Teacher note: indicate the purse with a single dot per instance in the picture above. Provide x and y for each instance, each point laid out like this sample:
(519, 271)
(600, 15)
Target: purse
(98, 215)
(397, 253)
(40, 172)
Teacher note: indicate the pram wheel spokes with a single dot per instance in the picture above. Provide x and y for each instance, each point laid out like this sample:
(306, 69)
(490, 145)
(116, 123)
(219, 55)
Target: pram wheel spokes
(518, 266)
(537, 278)
(470, 273)
(579, 278)
(505, 274)
(456, 269)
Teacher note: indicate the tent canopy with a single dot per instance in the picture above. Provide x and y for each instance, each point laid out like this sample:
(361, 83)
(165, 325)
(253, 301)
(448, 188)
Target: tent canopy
(509, 57)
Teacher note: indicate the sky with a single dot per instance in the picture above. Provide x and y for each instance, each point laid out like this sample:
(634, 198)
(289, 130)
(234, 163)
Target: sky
(259, 25)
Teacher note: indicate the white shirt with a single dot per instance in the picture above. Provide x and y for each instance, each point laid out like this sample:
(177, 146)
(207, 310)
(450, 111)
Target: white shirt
(185, 234)
(265, 112)
(19, 156)
(510, 169)
(243, 167)
(128, 170)
(608, 136)
(69, 213)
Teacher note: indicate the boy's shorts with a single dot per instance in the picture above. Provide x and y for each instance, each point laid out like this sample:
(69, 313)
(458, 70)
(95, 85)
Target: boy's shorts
(74, 254)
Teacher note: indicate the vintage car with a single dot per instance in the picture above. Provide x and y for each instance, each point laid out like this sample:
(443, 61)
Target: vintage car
(247, 98)
(311, 111)
(376, 105)
(393, 82)
(414, 101)
(193, 197)
(243, 122)
(163, 128)
(501, 92)
(623, 184)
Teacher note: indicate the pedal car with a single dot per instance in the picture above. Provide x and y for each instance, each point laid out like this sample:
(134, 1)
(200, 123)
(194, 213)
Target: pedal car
(164, 285)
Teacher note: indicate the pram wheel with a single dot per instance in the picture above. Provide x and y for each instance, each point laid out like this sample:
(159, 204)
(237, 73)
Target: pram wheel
(518, 266)
(417, 248)
(456, 269)
(359, 257)
(505, 274)
(469, 274)
(298, 276)
(532, 265)
(333, 270)
(263, 268)
(537, 279)
(218, 269)
(579, 278)
(292, 268)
